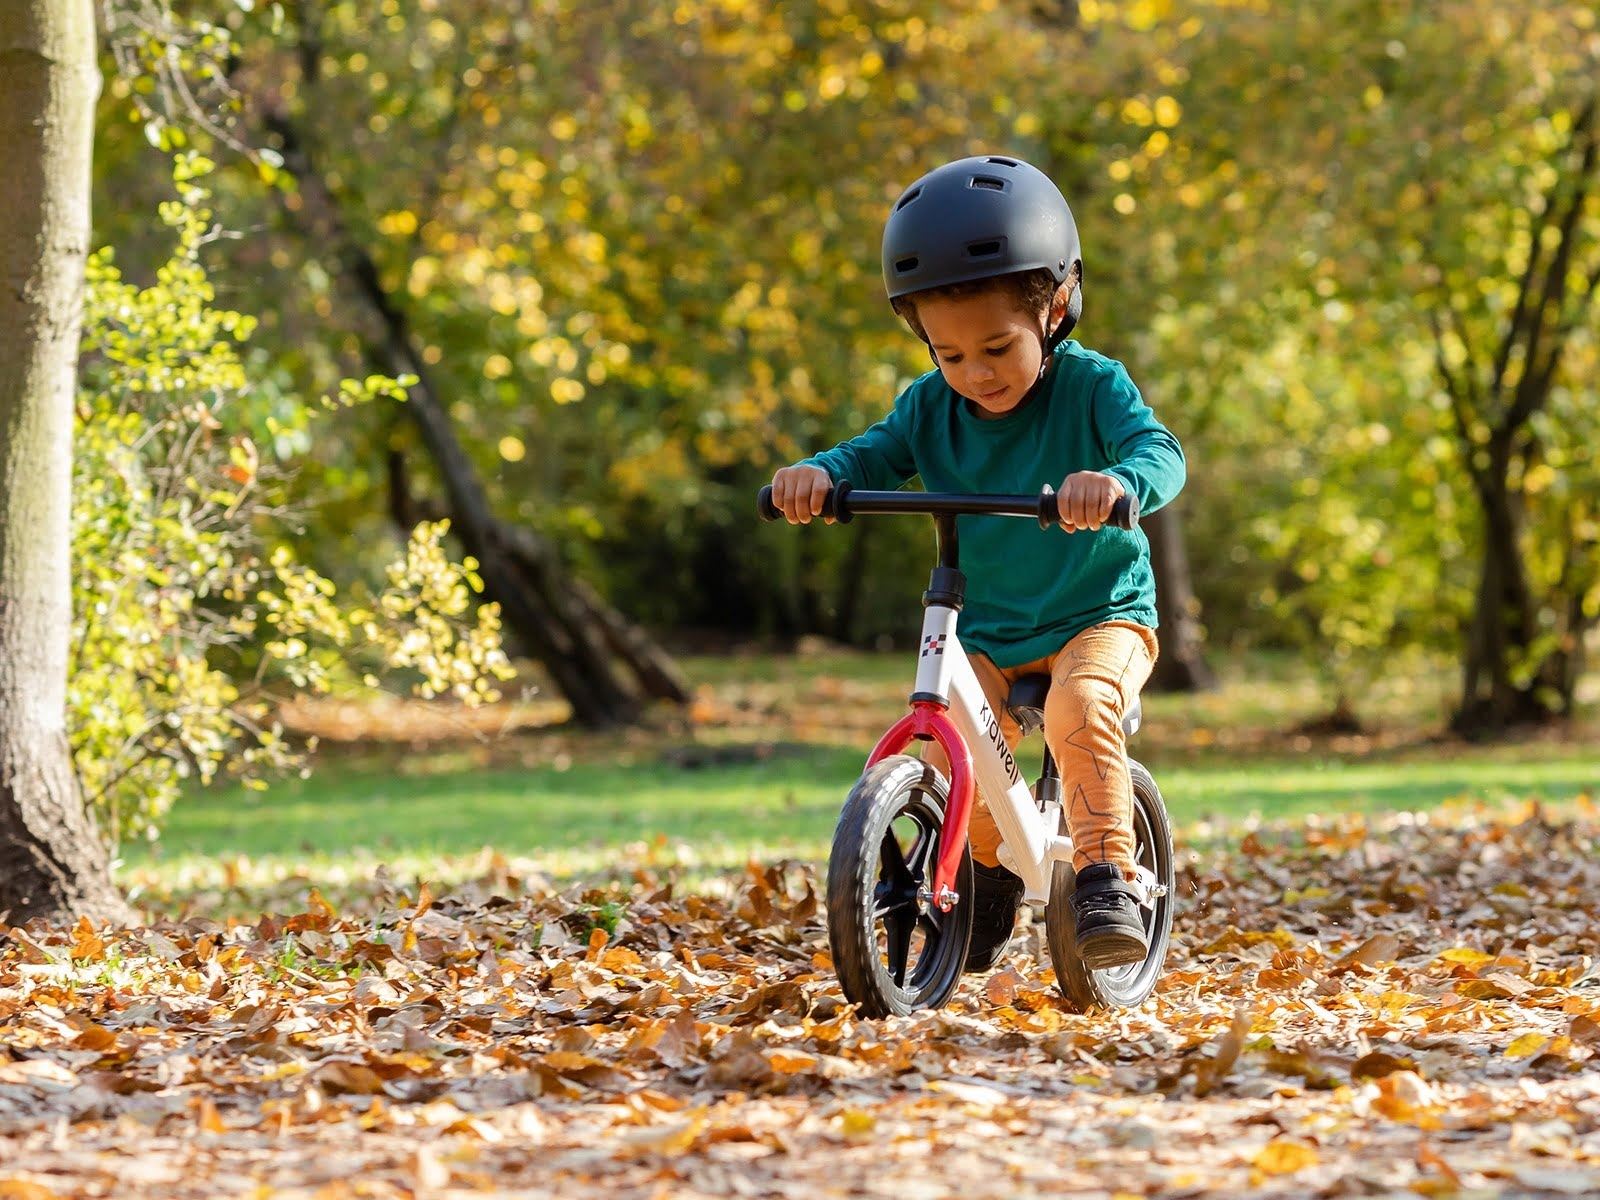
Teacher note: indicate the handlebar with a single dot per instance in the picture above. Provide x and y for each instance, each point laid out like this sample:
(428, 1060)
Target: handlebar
(843, 503)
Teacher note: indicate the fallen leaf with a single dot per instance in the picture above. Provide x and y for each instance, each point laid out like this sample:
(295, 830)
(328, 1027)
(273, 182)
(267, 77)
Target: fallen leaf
(1379, 948)
(1377, 1064)
(1284, 1156)
(793, 1062)
(87, 945)
(855, 1123)
(671, 1139)
(1210, 1072)
(208, 1119)
(1001, 987)
(1585, 1031)
(1527, 1045)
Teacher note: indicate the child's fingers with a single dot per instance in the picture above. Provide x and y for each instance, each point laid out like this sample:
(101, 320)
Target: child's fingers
(784, 495)
(1077, 510)
(1107, 502)
(1064, 508)
(800, 494)
(821, 485)
(1097, 507)
(1114, 491)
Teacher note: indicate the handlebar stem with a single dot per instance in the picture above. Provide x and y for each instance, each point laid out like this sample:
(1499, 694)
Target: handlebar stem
(949, 543)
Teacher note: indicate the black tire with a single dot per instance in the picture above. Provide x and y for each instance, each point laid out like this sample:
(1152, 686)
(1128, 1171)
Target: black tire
(1129, 986)
(884, 850)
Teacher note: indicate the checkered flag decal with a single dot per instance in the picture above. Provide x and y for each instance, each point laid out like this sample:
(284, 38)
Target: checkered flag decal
(933, 644)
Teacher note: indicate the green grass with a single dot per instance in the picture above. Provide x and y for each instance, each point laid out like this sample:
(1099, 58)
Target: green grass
(767, 786)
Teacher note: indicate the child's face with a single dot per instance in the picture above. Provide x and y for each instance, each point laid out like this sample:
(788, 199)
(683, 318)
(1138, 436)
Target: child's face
(989, 350)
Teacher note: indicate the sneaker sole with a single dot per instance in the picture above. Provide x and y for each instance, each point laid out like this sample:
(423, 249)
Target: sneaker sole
(1104, 951)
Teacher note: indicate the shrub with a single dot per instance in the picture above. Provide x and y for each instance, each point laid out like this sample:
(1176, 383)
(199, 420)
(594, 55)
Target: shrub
(188, 608)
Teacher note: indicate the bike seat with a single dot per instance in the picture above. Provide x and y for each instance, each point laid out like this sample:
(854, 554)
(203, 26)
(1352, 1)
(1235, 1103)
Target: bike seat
(1026, 702)
(1026, 705)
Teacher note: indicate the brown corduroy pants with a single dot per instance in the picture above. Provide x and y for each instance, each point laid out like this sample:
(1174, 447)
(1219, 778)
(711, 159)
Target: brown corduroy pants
(1094, 680)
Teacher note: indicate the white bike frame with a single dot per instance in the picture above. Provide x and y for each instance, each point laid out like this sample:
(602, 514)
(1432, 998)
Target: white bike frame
(949, 700)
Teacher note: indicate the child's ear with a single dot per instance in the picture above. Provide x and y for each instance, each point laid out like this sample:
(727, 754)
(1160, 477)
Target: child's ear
(1059, 302)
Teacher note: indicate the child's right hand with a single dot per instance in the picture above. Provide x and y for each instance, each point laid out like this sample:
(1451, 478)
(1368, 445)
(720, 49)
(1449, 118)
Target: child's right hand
(799, 493)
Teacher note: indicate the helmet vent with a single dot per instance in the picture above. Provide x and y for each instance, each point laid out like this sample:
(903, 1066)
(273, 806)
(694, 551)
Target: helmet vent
(986, 249)
(908, 198)
(1004, 162)
(989, 182)
(906, 264)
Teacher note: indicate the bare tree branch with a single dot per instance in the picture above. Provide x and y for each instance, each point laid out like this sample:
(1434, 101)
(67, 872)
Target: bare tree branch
(1454, 389)
(1533, 385)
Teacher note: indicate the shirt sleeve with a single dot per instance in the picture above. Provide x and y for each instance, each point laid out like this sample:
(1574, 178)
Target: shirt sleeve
(1144, 454)
(879, 459)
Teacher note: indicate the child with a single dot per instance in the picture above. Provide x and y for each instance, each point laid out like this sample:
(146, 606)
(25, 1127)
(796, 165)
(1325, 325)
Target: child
(982, 261)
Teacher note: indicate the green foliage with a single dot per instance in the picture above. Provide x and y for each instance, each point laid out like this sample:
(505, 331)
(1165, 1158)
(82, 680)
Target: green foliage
(179, 585)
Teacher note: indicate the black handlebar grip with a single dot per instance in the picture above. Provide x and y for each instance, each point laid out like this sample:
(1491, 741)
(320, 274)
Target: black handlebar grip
(835, 505)
(1124, 510)
(765, 508)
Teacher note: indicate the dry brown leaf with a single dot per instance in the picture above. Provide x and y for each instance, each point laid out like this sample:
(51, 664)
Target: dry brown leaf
(208, 1119)
(1377, 949)
(1210, 1072)
(1377, 1064)
(1585, 1031)
(1001, 987)
(87, 945)
(740, 1062)
(680, 1040)
(424, 900)
(95, 1037)
(347, 1078)
(793, 1062)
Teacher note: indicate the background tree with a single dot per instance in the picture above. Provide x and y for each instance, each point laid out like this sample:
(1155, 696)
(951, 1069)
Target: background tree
(52, 862)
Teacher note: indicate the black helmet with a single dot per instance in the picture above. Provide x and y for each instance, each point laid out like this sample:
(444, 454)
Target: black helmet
(976, 218)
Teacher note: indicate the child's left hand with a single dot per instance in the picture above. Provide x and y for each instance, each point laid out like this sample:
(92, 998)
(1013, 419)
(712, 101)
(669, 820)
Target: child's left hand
(1085, 499)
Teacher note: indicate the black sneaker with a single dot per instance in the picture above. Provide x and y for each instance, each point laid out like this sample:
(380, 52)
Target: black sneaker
(1109, 925)
(996, 898)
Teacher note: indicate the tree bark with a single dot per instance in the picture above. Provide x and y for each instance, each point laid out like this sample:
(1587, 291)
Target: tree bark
(53, 864)
(1501, 634)
(1182, 665)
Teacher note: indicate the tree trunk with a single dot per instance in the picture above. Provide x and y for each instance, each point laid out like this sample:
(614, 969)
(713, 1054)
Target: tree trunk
(52, 862)
(1503, 628)
(1182, 665)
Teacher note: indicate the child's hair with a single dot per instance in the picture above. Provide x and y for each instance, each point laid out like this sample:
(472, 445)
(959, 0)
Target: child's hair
(1031, 291)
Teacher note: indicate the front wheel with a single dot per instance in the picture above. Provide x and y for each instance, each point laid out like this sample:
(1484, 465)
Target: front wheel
(894, 951)
(1127, 986)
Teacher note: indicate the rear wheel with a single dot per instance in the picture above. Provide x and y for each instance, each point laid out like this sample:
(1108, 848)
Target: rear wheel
(893, 950)
(1127, 986)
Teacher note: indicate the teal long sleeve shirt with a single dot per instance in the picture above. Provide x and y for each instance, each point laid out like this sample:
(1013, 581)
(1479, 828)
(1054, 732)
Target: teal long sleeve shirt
(1030, 590)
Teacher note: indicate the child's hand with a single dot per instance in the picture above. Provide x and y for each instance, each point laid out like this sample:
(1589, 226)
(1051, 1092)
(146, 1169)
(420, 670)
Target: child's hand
(798, 493)
(1085, 499)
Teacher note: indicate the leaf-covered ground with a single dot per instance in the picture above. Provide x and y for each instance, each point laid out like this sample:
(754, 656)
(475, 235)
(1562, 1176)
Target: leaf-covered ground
(1406, 1007)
